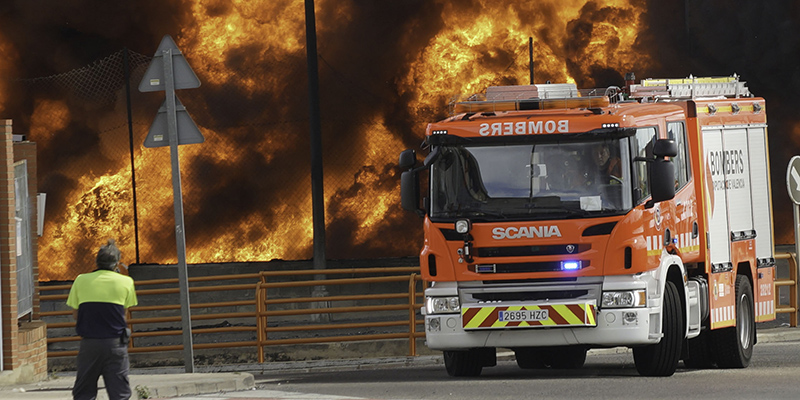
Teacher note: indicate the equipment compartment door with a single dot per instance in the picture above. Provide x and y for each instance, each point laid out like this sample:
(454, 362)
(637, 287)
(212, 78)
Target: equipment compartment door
(762, 207)
(719, 240)
(736, 170)
(716, 202)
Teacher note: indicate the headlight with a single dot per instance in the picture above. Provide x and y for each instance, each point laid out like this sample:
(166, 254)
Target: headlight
(443, 305)
(463, 226)
(624, 299)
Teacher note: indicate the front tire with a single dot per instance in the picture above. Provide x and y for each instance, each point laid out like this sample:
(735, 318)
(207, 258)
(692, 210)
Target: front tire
(661, 359)
(469, 362)
(734, 345)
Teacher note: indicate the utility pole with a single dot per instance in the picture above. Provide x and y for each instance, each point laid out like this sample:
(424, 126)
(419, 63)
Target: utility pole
(530, 57)
(317, 190)
(317, 193)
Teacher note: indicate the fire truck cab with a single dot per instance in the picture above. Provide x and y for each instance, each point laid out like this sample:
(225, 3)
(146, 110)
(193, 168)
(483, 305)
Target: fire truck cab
(557, 220)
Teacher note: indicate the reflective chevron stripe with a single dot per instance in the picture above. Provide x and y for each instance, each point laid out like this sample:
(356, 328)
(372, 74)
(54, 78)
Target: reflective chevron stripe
(580, 314)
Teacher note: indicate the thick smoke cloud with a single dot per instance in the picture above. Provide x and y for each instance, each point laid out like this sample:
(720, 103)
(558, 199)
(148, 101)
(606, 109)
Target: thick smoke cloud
(758, 41)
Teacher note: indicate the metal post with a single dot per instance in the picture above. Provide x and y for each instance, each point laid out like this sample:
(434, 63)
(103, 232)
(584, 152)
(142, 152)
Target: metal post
(796, 287)
(177, 198)
(317, 190)
(530, 56)
(126, 64)
(317, 193)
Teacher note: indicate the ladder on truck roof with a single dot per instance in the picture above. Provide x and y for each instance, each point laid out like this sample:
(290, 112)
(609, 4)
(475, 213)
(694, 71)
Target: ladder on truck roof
(690, 88)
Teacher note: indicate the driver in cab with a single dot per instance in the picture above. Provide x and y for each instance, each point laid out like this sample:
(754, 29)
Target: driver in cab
(608, 169)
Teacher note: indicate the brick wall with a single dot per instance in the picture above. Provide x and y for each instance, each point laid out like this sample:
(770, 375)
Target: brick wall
(24, 342)
(32, 350)
(8, 258)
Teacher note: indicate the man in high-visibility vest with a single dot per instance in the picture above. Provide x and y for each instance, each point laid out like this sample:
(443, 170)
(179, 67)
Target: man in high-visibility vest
(99, 300)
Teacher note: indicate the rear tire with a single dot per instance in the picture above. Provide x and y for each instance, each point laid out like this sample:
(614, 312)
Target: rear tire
(560, 357)
(661, 359)
(699, 355)
(529, 358)
(565, 357)
(465, 362)
(734, 345)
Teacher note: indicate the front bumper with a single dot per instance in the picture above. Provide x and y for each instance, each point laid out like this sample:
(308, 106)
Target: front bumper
(613, 329)
(586, 324)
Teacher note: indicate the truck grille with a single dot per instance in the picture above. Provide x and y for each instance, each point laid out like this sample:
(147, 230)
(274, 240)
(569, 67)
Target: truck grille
(532, 291)
(512, 268)
(521, 251)
(530, 296)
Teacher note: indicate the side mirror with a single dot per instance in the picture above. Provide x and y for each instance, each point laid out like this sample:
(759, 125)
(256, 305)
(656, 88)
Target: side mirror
(408, 159)
(662, 181)
(665, 148)
(409, 191)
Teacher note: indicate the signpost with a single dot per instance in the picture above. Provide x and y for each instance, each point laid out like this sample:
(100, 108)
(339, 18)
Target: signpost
(169, 71)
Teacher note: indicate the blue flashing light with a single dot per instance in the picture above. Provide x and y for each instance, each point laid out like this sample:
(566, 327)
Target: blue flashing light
(570, 265)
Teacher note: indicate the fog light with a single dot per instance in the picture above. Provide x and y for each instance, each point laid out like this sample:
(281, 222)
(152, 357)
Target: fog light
(434, 324)
(630, 318)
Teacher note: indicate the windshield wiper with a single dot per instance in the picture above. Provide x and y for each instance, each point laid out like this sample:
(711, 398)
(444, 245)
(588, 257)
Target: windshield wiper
(474, 212)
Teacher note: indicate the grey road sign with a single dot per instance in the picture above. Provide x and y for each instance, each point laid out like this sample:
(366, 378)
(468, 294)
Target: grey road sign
(158, 136)
(793, 179)
(154, 81)
(161, 75)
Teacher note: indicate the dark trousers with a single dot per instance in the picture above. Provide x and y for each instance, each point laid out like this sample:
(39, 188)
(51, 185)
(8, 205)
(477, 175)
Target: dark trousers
(102, 357)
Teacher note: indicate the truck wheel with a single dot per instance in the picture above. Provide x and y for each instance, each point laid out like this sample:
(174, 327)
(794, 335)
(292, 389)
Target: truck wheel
(463, 362)
(560, 357)
(565, 357)
(529, 358)
(661, 359)
(734, 345)
(698, 352)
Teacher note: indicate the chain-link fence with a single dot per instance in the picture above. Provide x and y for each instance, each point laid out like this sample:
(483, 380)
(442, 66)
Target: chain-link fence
(246, 189)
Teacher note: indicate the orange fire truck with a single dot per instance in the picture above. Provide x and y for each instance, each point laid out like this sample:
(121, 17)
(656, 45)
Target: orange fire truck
(558, 220)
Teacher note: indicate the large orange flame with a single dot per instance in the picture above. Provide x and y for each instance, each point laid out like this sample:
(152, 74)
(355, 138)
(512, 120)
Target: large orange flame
(488, 45)
(476, 47)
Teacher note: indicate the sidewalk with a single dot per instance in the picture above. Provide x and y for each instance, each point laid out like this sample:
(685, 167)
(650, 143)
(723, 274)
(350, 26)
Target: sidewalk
(144, 384)
(172, 382)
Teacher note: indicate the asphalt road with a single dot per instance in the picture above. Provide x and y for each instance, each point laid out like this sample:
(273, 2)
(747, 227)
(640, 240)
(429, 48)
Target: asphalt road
(774, 373)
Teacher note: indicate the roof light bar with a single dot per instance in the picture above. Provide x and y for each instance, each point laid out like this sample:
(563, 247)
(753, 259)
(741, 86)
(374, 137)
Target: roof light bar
(530, 104)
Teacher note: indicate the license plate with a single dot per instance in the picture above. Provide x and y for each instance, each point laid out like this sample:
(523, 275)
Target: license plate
(523, 315)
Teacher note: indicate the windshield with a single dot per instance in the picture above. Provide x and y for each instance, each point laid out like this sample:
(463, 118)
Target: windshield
(541, 180)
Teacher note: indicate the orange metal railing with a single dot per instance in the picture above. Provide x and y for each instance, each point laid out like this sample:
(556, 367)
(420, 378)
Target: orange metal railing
(280, 317)
(791, 282)
(286, 310)
(361, 303)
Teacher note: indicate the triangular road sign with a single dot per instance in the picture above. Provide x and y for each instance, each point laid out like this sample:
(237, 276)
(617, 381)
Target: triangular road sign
(153, 80)
(158, 136)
